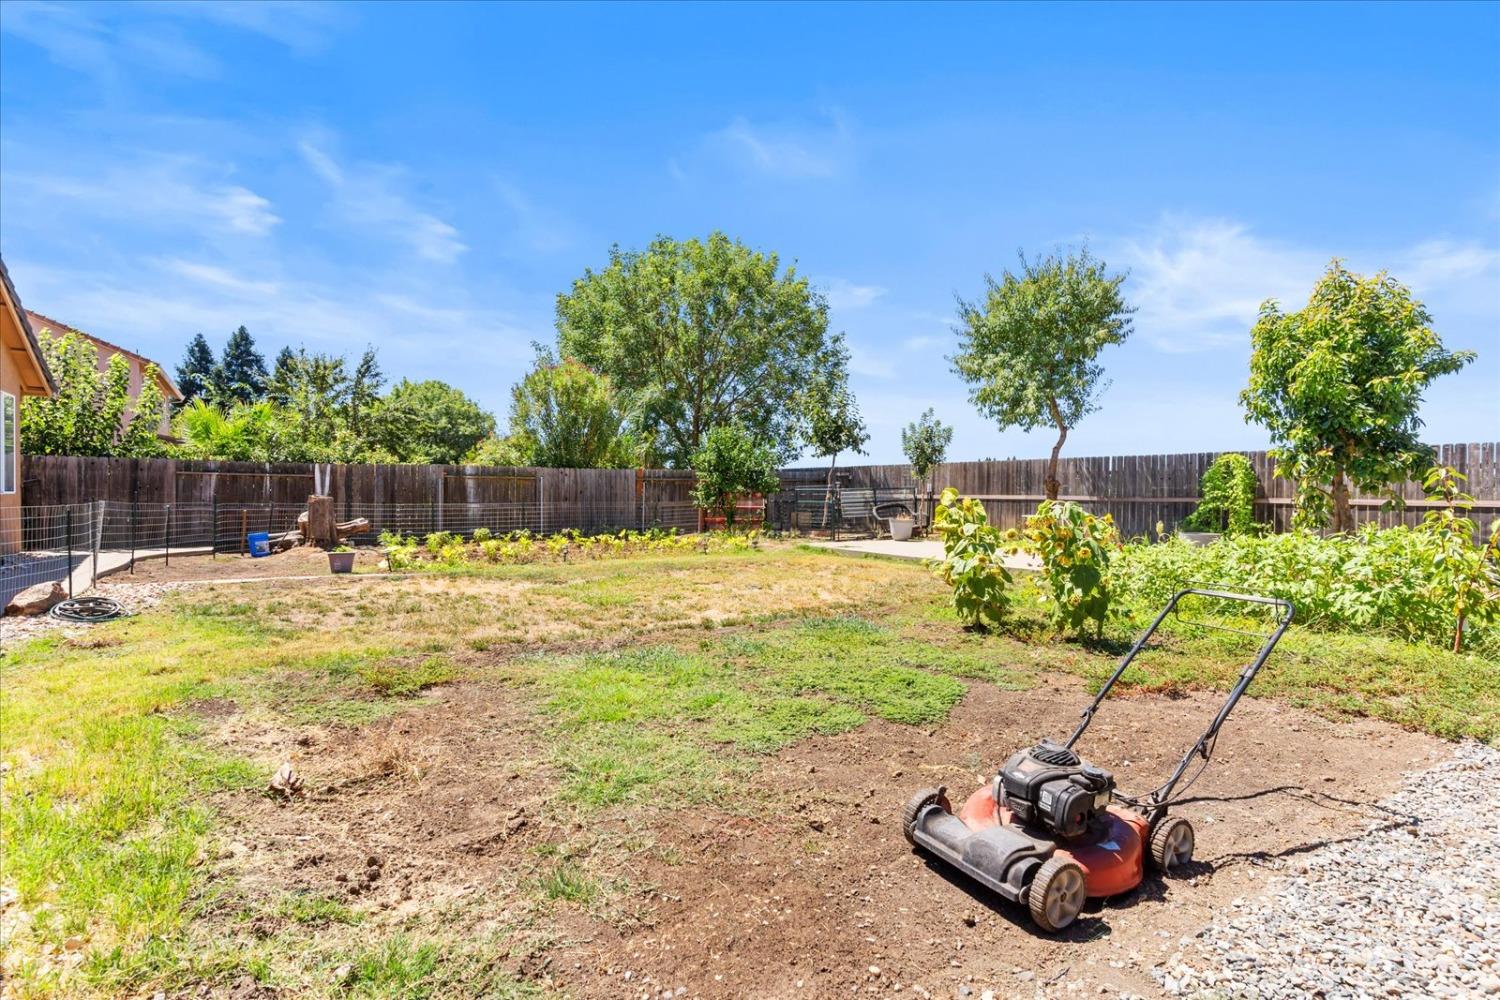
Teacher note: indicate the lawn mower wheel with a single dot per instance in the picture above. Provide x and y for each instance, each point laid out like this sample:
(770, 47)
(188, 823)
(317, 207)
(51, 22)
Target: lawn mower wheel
(1171, 843)
(1056, 894)
(914, 806)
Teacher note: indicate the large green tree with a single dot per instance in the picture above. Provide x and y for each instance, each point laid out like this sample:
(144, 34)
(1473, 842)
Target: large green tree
(564, 415)
(1029, 350)
(429, 421)
(1339, 384)
(195, 376)
(698, 334)
(240, 375)
(93, 412)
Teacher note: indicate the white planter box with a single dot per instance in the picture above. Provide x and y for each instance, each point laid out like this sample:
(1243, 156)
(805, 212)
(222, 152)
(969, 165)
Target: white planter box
(901, 528)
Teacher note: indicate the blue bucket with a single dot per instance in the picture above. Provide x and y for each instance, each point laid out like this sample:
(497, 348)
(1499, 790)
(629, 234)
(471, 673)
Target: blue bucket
(259, 542)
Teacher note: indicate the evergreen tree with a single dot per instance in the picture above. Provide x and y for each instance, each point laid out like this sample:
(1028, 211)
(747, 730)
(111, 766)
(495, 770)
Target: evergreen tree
(241, 373)
(195, 374)
(283, 373)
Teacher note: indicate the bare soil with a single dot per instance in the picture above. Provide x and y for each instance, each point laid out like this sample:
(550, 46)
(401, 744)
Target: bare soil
(807, 888)
(304, 560)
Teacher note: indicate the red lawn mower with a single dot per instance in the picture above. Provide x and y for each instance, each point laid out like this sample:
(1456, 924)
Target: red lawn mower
(1052, 830)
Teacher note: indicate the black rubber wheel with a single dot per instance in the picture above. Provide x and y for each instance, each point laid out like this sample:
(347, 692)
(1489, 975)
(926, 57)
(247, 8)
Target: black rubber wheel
(1056, 894)
(914, 806)
(1171, 843)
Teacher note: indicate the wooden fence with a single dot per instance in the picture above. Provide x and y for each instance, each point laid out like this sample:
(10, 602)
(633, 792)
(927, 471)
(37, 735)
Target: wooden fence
(53, 479)
(1139, 490)
(1142, 490)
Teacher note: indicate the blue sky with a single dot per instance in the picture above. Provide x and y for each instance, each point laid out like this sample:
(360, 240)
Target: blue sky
(427, 178)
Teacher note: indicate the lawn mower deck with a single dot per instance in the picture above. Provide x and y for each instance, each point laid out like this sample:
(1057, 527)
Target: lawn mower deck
(1052, 830)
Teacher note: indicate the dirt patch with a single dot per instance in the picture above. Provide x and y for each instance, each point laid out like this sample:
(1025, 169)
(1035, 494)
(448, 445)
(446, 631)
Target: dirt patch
(813, 902)
(441, 814)
(304, 560)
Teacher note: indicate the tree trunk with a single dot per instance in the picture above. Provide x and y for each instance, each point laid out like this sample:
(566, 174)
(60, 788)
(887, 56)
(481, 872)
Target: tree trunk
(1052, 485)
(1343, 517)
(322, 528)
(828, 488)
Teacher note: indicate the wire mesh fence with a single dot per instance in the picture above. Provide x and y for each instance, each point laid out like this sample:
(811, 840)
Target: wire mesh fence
(73, 544)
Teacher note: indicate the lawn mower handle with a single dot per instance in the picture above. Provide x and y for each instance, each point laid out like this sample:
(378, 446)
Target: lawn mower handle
(1162, 795)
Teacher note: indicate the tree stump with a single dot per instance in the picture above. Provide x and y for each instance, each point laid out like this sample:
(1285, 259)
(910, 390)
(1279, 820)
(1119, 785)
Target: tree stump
(322, 525)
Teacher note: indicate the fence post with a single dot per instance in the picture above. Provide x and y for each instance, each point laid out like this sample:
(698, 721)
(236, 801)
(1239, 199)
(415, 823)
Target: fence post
(97, 539)
(68, 530)
(134, 516)
(168, 535)
(213, 531)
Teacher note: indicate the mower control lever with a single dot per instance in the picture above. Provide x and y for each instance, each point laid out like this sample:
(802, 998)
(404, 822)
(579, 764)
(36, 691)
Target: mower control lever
(1204, 745)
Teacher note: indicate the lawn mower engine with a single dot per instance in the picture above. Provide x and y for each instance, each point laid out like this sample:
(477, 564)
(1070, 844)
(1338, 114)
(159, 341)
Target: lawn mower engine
(1052, 787)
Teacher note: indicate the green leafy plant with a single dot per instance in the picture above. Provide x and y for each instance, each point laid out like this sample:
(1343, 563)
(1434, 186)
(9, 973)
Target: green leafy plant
(482, 535)
(342, 548)
(1030, 350)
(1466, 572)
(1228, 504)
(731, 464)
(925, 443)
(88, 416)
(973, 559)
(1075, 548)
(1339, 385)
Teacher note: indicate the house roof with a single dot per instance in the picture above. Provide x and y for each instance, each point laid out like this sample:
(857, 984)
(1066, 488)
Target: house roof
(46, 322)
(33, 348)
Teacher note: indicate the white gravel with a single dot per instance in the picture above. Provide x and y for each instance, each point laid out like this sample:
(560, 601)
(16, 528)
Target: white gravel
(1411, 908)
(136, 597)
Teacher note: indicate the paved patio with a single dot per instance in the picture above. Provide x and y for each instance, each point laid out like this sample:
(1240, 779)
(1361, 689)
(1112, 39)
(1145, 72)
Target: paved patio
(917, 548)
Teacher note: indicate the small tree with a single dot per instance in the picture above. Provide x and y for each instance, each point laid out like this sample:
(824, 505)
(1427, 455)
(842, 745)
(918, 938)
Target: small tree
(93, 412)
(925, 444)
(564, 415)
(1339, 383)
(196, 373)
(1466, 572)
(241, 372)
(1029, 351)
(730, 464)
(832, 415)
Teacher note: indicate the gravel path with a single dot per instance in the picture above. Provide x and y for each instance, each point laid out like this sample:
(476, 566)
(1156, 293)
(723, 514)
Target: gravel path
(136, 597)
(1411, 908)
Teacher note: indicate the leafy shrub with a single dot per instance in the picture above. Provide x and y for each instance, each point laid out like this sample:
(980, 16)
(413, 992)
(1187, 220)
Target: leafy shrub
(972, 559)
(1228, 503)
(1466, 574)
(1374, 580)
(482, 535)
(1075, 548)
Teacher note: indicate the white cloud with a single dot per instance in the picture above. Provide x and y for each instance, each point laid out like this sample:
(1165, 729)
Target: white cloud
(161, 192)
(843, 294)
(103, 40)
(868, 364)
(788, 151)
(218, 277)
(921, 342)
(367, 196)
(1199, 282)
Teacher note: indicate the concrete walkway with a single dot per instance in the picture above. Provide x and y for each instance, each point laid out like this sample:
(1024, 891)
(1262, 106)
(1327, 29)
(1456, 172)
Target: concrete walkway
(914, 549)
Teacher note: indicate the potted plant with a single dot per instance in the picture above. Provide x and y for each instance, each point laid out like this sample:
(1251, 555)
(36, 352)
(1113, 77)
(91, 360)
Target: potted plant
(341, 559)
(901, 528)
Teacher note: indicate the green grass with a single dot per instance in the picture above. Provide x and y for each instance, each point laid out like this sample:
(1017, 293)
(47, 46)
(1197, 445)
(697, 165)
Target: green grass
(111, 767)
(669, 724)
